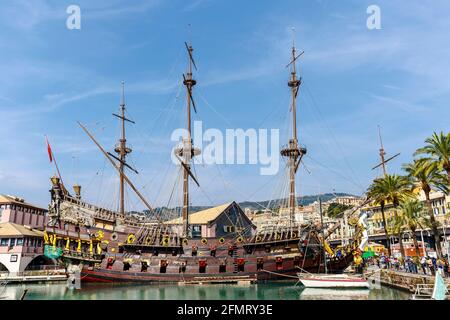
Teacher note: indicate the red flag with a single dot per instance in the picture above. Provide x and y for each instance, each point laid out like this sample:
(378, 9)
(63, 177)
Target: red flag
(49, 150)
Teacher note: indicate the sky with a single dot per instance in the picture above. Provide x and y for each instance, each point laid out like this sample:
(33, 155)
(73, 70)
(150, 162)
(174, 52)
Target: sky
(354, 79)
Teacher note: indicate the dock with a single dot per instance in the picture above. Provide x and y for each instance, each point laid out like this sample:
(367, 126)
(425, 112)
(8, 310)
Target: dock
(240, 280)
(34, 276)
(403, 280)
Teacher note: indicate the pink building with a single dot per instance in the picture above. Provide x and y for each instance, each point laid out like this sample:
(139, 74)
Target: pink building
(21, 235)
(16, 210)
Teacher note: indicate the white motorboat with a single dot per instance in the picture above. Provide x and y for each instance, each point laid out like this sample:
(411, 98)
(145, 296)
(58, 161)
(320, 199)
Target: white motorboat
(332, 281)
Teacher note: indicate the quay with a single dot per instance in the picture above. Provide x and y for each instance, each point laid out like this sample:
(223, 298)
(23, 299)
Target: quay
(402, 280)
(34, 276)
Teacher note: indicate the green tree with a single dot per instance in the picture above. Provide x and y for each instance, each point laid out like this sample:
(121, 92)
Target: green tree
(412, 218)
(427, 176)
(336, 209)
(438, 147)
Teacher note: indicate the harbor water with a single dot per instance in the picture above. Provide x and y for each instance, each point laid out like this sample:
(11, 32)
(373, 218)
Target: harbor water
(264, 291)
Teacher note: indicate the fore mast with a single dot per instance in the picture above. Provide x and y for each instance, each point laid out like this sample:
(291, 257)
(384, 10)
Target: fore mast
(187, 152)
(292, 151)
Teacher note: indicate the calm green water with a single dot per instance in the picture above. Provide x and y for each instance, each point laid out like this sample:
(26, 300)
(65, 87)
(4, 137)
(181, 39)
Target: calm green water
(276, 291)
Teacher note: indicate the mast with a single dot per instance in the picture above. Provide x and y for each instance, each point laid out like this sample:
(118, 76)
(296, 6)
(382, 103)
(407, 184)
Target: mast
(187, 151)
(323, 235)
(292, 151)
(382, 153)
(122, 150)
(383, 161)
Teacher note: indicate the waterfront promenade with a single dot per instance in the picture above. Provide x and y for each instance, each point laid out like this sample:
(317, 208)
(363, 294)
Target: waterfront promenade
(34, 276)
(401, 280)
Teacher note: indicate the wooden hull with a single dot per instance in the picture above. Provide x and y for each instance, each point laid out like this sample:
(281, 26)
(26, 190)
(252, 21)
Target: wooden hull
(271, 271)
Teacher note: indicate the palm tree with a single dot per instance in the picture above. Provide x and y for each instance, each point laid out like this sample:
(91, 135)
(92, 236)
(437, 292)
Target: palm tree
(377, 193)
(426, 175)
(390, 189)
(438, 147)
(412, 214)
(398, 188)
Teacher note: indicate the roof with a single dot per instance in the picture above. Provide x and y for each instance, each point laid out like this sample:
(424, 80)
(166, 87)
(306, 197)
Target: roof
(9, 229)
(8, 199)
(204, 216)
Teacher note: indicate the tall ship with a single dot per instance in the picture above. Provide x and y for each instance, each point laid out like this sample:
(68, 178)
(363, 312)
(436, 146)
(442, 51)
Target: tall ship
(217, 244)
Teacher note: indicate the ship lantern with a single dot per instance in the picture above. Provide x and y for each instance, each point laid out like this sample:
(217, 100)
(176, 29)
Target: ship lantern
(240, 261)
(202, 263)
(77, 190)
(55, 181)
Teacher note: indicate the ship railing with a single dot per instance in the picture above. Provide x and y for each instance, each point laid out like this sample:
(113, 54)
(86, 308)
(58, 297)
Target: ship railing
(83, 255)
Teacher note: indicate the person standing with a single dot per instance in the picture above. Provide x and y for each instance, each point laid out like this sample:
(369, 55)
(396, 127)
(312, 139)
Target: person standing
(423, 263)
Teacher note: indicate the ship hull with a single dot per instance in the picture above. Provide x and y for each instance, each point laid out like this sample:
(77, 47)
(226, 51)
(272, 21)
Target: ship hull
(270, 272)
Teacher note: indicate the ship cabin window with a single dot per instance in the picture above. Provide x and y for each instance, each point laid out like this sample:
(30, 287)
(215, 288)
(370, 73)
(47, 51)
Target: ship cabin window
(126, 266)
(202, 266)
(279, 263)
(213, 252)
(297, 261)
(241, 265)
(163, 266)
(144, 266)
(182, 268)
(230, 251)
(260, 264)
(223, 267)
(194, 251)
(196, 231)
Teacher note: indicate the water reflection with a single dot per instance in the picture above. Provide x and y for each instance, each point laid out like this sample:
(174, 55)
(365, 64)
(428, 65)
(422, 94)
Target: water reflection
(277, 291)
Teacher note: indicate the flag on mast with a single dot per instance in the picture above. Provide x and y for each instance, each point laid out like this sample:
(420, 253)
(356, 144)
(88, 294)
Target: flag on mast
(49, 150)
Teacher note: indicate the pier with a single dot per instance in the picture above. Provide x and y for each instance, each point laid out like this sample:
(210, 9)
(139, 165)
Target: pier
(34, 276)
(403, 280)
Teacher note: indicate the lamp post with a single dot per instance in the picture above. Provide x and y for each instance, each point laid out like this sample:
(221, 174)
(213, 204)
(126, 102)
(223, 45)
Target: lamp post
(424, 247)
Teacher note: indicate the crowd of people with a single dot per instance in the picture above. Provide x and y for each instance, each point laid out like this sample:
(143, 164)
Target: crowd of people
(425, 265)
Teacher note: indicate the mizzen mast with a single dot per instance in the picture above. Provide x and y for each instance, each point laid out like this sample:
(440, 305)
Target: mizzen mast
(292, 151)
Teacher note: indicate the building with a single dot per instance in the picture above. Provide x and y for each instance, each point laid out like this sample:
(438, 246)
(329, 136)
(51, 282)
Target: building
(16, 210)
(20, 248)
(21, 235)
(221, 221)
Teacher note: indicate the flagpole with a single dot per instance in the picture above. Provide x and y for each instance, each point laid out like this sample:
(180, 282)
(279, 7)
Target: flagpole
(56, 164)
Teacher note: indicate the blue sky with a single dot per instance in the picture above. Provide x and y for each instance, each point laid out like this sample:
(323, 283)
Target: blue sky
(354, 79)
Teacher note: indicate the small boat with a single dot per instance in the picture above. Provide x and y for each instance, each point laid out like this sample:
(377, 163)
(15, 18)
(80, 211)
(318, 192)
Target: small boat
(332, 281)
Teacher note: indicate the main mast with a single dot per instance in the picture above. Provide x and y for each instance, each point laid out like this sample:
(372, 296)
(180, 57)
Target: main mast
(292, 151)
(187, 151)
(122, 150)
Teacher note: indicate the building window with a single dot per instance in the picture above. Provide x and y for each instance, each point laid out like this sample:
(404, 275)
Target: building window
(4, 242)
(228, 229)
(20, 242)
(12, 242)
(196, 231)
(13, 258)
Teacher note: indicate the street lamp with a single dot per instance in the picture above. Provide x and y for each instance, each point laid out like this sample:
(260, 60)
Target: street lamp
(424, 247)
